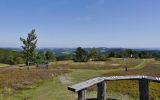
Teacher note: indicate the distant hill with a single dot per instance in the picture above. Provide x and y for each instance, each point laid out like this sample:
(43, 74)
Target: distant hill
(59, 51)
(63, 51)
(8, 51)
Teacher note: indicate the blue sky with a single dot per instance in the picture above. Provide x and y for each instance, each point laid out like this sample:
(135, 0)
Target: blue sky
(86, 23)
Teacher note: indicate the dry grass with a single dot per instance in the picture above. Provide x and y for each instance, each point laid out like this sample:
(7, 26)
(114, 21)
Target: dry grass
(20, 79)
(99, 65)
(131, 87)
(151, 69)
(17, 78)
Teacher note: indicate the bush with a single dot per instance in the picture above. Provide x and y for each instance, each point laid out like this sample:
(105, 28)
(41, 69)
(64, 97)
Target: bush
(19, 60)
(11, 57)
(50, 56)
(41, 58)
(81, 55)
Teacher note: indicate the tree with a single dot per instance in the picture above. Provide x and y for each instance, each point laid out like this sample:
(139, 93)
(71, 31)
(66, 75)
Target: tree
(29, 46)
(111, 54)
(41, 58)
(81, 55)
(50, 56)
(94, 54)
(129, 52)
(142, 54)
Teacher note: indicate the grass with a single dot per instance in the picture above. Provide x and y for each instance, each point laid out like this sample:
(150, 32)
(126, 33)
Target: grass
(131, 87)
(52, 88)
(99, 65)
(3, 65)
(14, 80)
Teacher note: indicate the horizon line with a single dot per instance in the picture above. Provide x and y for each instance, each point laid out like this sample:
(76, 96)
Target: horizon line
(95, 47)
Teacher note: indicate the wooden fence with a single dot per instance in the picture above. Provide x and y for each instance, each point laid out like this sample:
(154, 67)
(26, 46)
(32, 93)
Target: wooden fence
(81, 88)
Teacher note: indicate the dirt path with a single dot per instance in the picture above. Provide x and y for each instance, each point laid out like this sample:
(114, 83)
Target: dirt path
(56, 88)
(79, 75)
(139, 66)
(142, 64)
(65, 79)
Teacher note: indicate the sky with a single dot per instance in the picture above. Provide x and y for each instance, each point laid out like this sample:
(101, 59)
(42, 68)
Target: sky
(85, 23)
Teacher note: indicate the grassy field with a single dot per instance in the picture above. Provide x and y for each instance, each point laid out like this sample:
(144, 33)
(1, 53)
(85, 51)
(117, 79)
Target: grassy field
(3, 65)
(52, 84)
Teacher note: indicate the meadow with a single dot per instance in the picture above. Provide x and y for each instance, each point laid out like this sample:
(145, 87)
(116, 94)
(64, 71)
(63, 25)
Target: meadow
(18, 83)
(3, 65)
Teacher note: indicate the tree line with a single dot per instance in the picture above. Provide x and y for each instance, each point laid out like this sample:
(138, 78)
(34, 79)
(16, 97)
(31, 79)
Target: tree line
(11, 57)
(30, 56)
(95, 54)
(82, 55)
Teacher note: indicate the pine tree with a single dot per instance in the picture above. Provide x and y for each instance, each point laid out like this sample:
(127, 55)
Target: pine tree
(29, 46)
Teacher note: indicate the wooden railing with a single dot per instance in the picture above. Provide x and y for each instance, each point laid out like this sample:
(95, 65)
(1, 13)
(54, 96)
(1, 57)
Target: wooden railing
(81, 88)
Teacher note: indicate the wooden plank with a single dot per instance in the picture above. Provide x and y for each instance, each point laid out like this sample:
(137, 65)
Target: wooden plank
(101, 91)
(154, 79)
(86, 84)
(112, 78)
(82, 95)
(143, 89)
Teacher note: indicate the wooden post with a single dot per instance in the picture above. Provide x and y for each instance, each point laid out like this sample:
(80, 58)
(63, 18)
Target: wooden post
(143, 89)
(82, 94)
(101, 91)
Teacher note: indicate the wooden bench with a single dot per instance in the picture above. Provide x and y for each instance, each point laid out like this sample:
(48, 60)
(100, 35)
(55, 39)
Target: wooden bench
(81, 88)
(43, 66)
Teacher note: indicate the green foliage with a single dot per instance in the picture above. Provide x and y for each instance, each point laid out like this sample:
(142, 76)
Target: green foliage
(129, 53)
(19, 60)
(41, 58)
(111, 54)
(29, 46)
(93, 54)
(14, 60)
(81, 55)
(101, 54)
(10, 57)
(64, 57)
(11, 60)
(101, 58)
(50, 56)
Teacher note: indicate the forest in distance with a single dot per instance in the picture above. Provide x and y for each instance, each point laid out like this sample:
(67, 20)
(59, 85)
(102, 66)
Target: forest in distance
(14, 56)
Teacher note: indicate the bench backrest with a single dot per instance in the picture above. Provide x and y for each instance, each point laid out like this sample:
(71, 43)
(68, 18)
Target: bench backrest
(42, 65)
